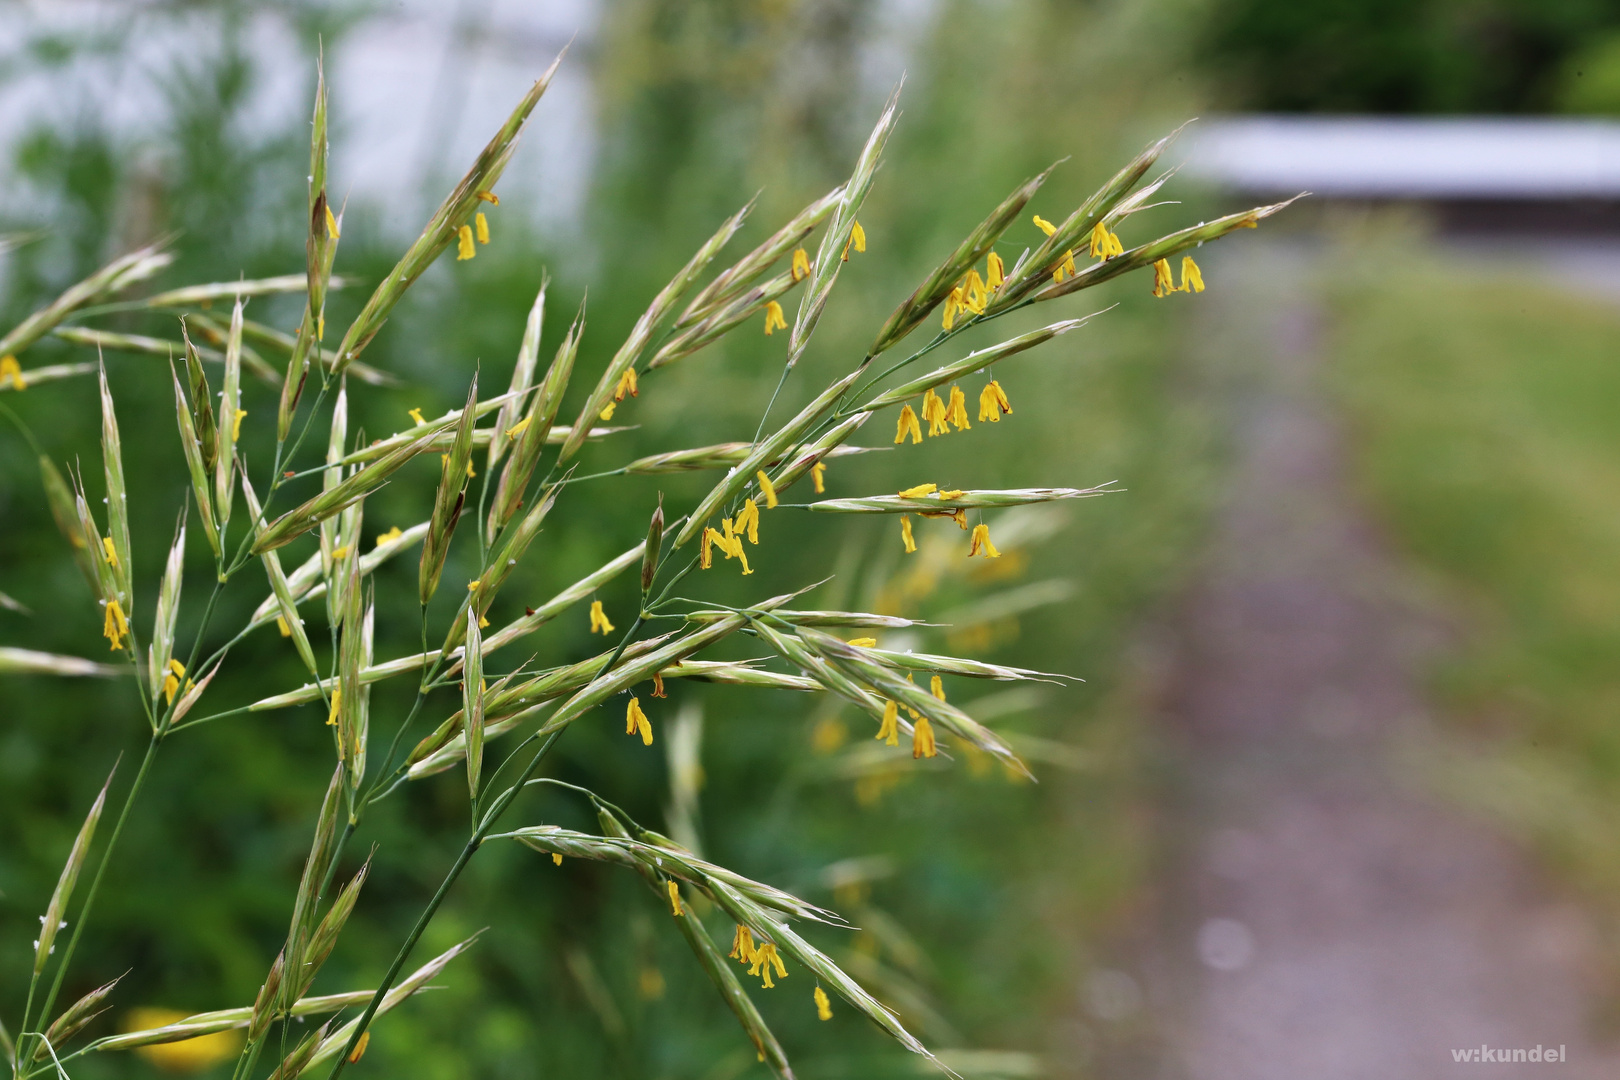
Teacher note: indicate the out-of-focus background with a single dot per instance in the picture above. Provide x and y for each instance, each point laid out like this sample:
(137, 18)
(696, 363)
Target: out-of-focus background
(1341, 791)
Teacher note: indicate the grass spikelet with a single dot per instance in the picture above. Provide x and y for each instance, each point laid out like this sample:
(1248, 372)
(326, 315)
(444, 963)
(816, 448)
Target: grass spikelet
(53, 921)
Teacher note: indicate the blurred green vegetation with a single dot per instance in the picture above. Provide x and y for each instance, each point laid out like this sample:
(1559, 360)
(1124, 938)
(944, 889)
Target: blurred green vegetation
(1401, 56)
(1485, 408)
(987, 896)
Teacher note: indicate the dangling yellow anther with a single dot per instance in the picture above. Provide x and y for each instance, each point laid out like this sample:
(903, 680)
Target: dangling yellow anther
(954, 303)
(907, 425)
(389, 536)
(607, 412)
(518, 428)
(742, 945)
(889, 729)
(1045, 226)
(627, 385)
(817, 472)
(1104, 244)
(823, 1006)
(489, 197)
(236, 424)
(765, 958)
(281, 624)
(933, 411)
(918, 492)
(674, 897)
(416, 416)
(11, 371)
(956, 410)
(481, 227)
(768, 488)
(775, 318)
(1192, 280)
(337, 704)
(801, 264)
(993, 402)
(112, 552)
(556, 858)
(331, 223)
(599, 619)
(905, 534)
(994, 271)
(857, 237)
(980, 542)
(974, 293)
(922, 738)
(748, 521)
(1065, 267)
(464, 248)
(635, 722)
(115, 627)
(359, 1050)
(936, 686)
(173, 673)
(1163, 285)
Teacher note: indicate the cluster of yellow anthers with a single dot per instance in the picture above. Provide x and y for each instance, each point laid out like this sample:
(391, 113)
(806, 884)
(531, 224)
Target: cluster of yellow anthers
(729, 537)
(171, 680)
(464, 248)
(599, 619)
(1191, 279)
(626, 388)
(940, 412)
(762, 957)
(11, 372)
(922, 732)
(978, 544)
(972, 293)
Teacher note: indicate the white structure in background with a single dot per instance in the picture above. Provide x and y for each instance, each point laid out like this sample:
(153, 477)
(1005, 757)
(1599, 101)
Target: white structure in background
(1425, 158)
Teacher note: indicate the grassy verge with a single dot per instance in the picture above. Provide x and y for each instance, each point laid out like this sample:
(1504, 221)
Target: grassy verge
(1487, 419)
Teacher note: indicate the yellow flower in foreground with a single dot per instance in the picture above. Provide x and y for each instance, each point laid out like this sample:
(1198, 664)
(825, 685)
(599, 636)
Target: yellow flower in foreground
(115, 627)
(889, 729)
(933, 411)
(801, 264)
(1192, 280)
(186, 1055)
(993, 402)
(918, 492)
(823, 1006)
(627, 385)
(980, 541)
(905, 534)
(674, 896)
(857, 237)
(337, 704)
(765, 958)
(922, 739)
(1163, 285)
(936, 686)
(742, 945)
(994, 271)
(599, 619)
(768, 488)
(1045, 226)
(775, 318)
(416, 416)
(389, 537)
(817, 472)
(635, 721)
(112, 552)
(464, 247)
(331, 223)
(907, 425)
(956, 410)
(481, 227)
(11, 372)
(748, 521)
(236, 424)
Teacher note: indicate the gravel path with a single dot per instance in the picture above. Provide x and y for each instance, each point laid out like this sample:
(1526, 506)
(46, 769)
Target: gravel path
(1318, 916)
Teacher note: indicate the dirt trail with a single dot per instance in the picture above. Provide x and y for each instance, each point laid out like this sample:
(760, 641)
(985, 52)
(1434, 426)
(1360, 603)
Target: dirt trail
(1318, 916)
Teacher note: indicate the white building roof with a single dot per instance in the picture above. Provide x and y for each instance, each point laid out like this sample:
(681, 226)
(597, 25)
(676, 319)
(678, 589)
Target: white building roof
(1400, 157)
